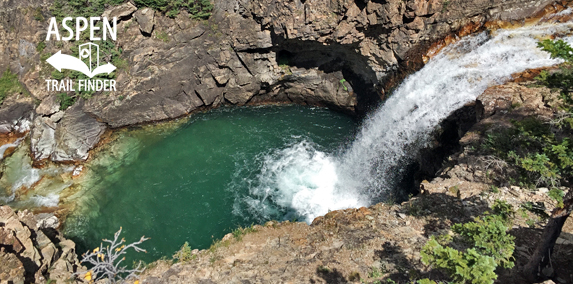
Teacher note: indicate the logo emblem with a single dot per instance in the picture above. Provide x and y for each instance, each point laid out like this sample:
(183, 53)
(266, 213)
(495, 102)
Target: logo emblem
(85, 63)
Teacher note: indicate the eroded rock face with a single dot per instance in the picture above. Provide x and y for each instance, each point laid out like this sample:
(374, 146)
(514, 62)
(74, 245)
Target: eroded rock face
(31, 251)
(338, 54)
(76, 134)
(16, 114)
(65, 136)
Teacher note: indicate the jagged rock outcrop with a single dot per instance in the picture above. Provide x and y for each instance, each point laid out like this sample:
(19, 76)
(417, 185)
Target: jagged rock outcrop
(65, 136)
(32, 250)
(341, 54)
(15, 114)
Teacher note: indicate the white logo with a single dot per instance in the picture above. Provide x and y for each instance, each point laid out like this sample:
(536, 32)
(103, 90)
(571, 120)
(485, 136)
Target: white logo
(63, 61)
(88, 60)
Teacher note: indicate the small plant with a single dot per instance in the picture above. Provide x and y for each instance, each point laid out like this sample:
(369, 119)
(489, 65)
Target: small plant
(445, 5)
(455, 190)
(58, 75)
(38, 14)
(557, 195)
(120, 63)
(557, 49)
(375, 272)
(184, 254)
(162, 36)
(240, 232)
(66, 101)
(488, 236)
(504, 210)
(9, 84)
(354, 276)
(477, 249)
(286, 69)
(537, 208)
(425, 281)
(41, 46)
(198, 9)
(323, 269)
(530, 223)
(342, 81)
(44, 56)
(106, 260)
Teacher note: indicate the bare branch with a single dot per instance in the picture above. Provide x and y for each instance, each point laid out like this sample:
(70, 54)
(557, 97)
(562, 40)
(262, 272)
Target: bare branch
(104, 260)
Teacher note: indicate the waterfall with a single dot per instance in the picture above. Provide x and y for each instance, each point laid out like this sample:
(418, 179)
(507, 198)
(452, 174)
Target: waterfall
(310, 183)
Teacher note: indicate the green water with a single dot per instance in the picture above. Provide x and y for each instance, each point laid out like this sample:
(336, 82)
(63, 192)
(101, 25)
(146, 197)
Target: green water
(185, 186)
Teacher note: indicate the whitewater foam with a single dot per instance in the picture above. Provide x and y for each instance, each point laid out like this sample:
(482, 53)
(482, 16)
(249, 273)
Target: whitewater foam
(311, 183)
(5, 147)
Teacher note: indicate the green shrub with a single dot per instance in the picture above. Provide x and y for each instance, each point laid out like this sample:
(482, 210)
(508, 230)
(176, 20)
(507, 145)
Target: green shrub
(557, 49)
(476, 250)
(198, 9)
(540, 156)
(41, 46)
(38, 14)
(240, 232)
(557, 195)
(425, 281)
(80, 8)
(537, 208)
(184, 254)
(488, 236)
(58, 75)
(65, 101)
(469, 266)
(504, 210)
(9, 84)
(162, 36)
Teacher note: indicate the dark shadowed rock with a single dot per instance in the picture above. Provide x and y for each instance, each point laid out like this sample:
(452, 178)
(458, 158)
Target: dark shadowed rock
(28, 254)
(76, 134)
(16, 114)
(12, 269)
(146, 19)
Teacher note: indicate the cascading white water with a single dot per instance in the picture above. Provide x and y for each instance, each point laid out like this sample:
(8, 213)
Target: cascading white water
(5, 147)
(312, 183)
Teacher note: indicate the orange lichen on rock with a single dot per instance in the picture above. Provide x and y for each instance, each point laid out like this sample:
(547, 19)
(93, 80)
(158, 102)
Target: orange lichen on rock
(449, 39)
(550, 14)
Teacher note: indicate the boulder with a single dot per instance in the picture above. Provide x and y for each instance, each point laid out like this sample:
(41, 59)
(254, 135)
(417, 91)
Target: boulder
(146, 19)
(120, 12)
(47, 221)
(49, 105)
(76, 134)
(42, 139)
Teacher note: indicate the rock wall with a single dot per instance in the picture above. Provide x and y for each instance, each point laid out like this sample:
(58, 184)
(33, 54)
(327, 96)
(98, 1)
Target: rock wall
(32, 250)
(335, 53)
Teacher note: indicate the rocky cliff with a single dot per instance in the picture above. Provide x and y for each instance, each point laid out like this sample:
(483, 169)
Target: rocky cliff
(342, 54)
(32, 250)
